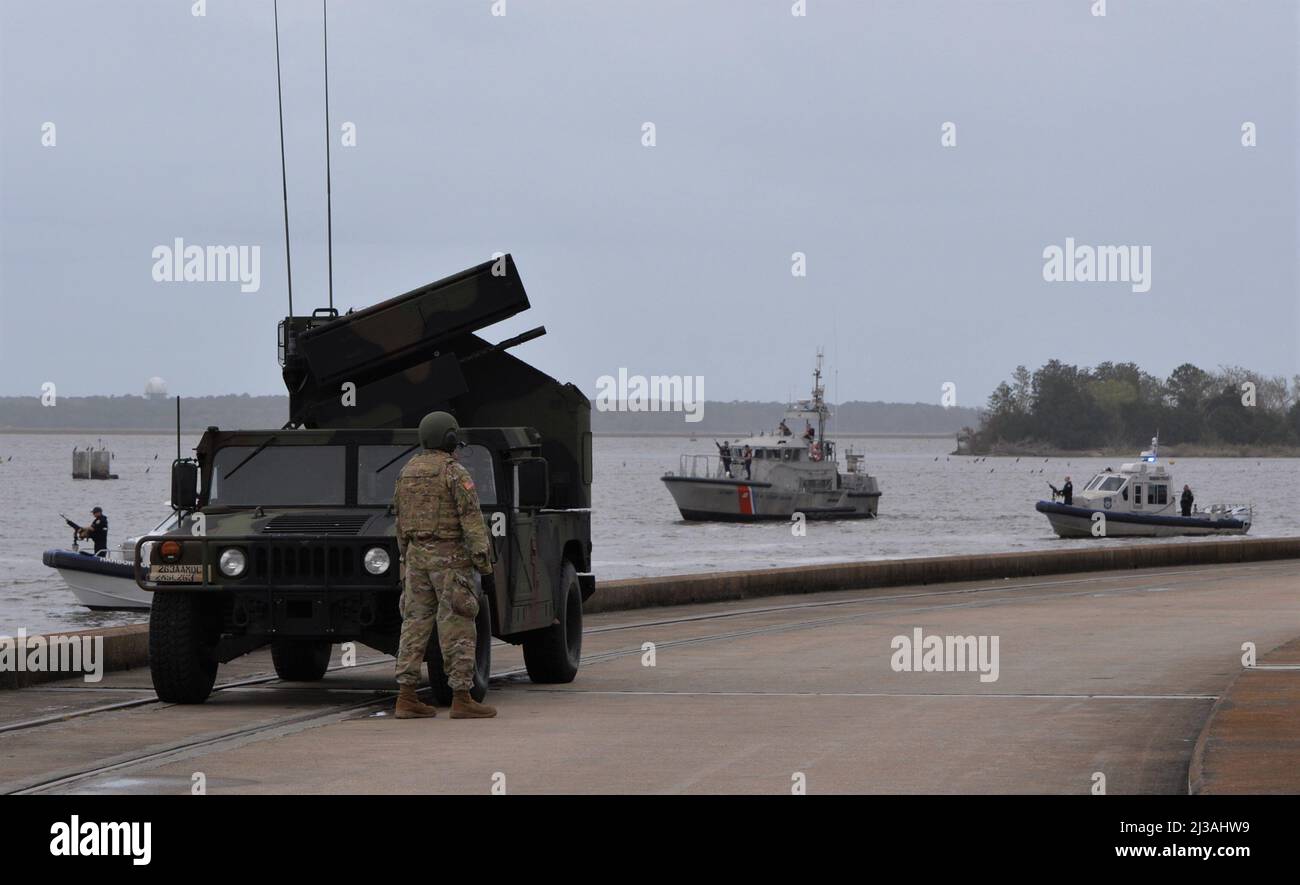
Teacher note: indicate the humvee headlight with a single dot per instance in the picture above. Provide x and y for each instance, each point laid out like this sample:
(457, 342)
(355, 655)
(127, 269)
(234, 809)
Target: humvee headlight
(232, 562)
(170, 551)
(377, 560)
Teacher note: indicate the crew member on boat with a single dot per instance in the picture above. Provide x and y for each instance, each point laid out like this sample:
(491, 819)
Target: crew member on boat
(808, 432)
(747, 455)
(1067, 492)
(97, 531)
(1187, 500)
(784, 428)
(724, 455)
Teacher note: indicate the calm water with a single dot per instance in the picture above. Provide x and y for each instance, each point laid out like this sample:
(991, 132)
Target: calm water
(928, 508)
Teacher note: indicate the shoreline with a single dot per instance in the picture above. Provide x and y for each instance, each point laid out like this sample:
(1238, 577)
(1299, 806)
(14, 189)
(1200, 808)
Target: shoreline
(1127, 453)
(136, 431)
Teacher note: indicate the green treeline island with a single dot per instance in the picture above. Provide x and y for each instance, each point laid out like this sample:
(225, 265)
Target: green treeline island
(1116, 408)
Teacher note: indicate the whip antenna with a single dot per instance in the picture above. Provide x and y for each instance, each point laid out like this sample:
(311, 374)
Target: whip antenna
(329, 214)
(284, 181)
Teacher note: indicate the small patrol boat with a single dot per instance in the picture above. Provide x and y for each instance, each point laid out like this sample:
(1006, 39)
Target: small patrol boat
(1139, 501)
(787, 474)
(107, 582)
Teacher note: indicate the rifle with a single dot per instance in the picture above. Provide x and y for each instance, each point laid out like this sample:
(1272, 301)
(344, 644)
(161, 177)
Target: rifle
(76, 531)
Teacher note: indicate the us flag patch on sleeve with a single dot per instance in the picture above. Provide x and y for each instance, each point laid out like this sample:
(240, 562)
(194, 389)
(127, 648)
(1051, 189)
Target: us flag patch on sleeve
(468, 483)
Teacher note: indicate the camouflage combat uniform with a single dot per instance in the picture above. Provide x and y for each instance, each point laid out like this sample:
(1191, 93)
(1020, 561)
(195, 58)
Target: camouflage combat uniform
(442, 538)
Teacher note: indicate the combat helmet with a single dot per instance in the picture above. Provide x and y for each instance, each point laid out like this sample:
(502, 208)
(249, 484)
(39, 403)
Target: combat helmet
(438, 431)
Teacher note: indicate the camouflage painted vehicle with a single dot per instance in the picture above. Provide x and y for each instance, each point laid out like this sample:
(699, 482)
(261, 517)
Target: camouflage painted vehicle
(286, 537)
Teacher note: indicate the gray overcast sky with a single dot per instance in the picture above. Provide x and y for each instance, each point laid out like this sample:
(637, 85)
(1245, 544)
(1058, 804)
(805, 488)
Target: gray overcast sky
(775, 134)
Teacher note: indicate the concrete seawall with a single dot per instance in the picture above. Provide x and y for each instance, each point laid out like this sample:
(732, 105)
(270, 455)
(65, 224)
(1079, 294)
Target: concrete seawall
(127, 647)
(123, 648)
(721, 586)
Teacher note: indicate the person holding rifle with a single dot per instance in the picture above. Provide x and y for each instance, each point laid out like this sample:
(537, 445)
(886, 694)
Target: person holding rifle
(1065, 493)
(96, 532)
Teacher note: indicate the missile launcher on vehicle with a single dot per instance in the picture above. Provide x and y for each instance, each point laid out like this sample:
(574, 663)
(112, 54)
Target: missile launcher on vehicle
(286, 536)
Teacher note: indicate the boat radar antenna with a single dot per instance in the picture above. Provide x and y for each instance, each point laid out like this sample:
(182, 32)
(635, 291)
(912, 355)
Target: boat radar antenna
(1150, 456)
(818, 391)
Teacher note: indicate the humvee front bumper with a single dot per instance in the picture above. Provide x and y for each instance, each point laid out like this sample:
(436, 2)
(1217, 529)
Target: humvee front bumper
(305, 586)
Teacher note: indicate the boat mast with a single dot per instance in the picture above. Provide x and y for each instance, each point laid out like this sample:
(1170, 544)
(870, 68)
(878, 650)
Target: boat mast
(818, 402)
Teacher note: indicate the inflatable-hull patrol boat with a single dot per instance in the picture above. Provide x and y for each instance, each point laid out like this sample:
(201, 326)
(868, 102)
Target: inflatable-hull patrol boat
(1140, 500)
(104, 583)
(787, 474)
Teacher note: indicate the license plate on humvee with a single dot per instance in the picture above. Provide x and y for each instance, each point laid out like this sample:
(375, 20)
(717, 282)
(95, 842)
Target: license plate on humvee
(175, 574)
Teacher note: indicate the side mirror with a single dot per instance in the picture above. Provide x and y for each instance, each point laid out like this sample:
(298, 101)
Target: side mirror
(532, 484)
(185, 485)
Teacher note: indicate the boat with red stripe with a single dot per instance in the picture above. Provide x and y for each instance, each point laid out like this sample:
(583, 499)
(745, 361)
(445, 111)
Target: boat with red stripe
(773, 476)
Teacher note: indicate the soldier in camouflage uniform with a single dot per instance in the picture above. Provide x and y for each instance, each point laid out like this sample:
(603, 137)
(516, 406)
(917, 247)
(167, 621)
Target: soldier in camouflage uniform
(441, 536)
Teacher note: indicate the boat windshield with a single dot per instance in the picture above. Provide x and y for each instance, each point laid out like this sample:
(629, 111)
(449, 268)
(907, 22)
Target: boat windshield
(1106, 483)
(169, 522)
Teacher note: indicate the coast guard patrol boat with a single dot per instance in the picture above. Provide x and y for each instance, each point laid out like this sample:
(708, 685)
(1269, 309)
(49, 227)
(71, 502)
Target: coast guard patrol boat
(1140, 500)
(791, 472)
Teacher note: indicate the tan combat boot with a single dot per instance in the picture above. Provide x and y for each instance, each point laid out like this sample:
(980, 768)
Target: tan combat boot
(409, 705)
(465, 707)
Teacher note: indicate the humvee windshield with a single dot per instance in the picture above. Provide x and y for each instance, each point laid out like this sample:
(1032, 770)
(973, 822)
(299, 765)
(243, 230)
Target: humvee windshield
(279, 475)
(301, 475)
(375, 481)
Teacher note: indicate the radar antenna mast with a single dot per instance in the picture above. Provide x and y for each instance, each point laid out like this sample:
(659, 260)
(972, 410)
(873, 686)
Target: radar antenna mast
(819, 391)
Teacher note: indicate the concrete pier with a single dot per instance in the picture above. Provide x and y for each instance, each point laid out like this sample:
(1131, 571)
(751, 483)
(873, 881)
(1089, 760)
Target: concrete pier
(127, 647)
(1103, 678)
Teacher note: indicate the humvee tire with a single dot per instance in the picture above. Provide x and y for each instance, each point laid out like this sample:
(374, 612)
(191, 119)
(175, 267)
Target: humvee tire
(482, 659)
(301, 660)
(183, 635)
(552, 655)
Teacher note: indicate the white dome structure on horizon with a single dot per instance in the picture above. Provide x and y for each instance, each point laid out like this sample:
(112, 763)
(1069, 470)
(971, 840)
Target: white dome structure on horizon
(155, 388)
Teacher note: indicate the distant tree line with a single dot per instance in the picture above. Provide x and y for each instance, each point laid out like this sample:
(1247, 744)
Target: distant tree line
(142, 413)
(738, 417)
(1117, 405)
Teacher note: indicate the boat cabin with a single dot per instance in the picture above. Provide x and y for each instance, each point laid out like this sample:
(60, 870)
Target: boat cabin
(1143, 486)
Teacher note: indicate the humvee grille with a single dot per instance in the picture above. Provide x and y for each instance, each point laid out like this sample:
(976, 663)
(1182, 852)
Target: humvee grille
(317, 524)
(289, 563)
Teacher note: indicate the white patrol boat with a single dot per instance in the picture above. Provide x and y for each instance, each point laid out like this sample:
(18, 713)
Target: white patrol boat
(774, 476)
(105, 582)
(1140, 500)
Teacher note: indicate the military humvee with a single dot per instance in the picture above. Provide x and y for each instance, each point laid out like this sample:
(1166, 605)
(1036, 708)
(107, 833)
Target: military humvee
(286, 537)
